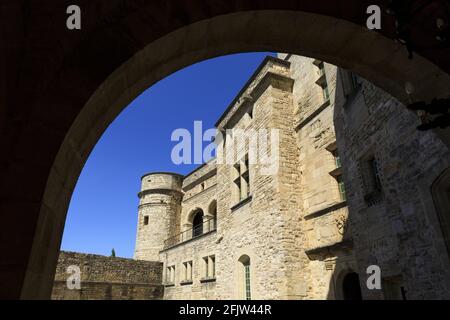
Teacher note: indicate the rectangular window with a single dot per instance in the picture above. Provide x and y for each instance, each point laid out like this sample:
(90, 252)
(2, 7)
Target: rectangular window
(242, 178)
(209, 269)
(393, 289)
(322, 81)
(321, 67)
(350, 82)
(212, 271)
(325, 92)
(341, 186)
(337, 159)
(337, 172)
(354, 81)
(170, 274)
(371, 175)
(187, 266)
(373, 164)
(371, 180)
(205, 267)
(145, 220)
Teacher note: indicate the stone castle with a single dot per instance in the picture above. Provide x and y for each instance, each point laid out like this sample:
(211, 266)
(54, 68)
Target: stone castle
(356, 185)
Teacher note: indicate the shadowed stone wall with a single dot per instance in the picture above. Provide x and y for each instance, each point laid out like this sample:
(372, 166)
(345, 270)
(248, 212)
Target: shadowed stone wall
(108, 278)
(399, 229)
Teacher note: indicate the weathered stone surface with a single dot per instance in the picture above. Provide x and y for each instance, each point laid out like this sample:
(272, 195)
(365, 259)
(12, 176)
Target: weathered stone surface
(61, 89)
(302, 234)
(106, 278)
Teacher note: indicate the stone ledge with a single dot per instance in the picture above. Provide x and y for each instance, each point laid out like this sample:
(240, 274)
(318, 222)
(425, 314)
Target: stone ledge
(267, 60)
(326, 210)
(189, 240)
(336, 172)
(206, 280)
(317, 252)
(314, 114)
(241, 203)
(200, 192)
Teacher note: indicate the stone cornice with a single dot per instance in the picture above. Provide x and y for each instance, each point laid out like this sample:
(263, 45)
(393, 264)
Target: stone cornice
(271, 66)
(161, 190)
(270, 78)
(199, 193)
(320, 252)
(331, 208)
(200, 179)
(314, 114)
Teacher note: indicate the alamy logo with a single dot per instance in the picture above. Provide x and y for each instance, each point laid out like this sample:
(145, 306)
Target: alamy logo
(374, 20)
(228, 147)
(74, 20)
(374, 280)
(74, 280)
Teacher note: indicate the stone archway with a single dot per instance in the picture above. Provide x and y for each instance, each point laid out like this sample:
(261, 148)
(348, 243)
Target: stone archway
(78, 84)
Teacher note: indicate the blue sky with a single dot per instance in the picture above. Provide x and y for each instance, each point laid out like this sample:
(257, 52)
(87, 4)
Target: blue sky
(103, 210)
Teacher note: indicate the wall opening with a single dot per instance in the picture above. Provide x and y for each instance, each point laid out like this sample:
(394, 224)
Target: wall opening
(441, 197)
(197, 224)
(246, 276)
(351, 289)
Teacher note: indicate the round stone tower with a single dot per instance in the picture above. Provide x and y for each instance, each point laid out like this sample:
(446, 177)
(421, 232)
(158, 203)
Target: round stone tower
(158, 214)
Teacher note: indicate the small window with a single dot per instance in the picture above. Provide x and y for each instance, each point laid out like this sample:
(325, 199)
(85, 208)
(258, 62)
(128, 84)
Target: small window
(187, 276)
(145, 220)
(337, 159)
(341, 186)
(209, 267)
(242, 178)
(393, 289)
(321, 67)
(351, 288)
(197, 224)
(325, 92)
(350, 83)
(371, 180)
(170, 274)
(322, 81)
(354, 81)
(337, 174)
(245, 262)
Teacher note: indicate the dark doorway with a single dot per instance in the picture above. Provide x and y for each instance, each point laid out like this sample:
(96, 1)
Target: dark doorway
(441, 197)
(350, 287)
(197, 224)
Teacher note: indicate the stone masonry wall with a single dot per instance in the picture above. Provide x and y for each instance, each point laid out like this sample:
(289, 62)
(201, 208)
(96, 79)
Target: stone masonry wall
(301, 233)
(324, 212)
(108, 278)
(193, 250)
(263, 227)
(159, 213)
(400, 232)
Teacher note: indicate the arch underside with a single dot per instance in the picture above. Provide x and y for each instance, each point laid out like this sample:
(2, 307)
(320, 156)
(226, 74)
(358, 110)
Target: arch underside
(96, 74)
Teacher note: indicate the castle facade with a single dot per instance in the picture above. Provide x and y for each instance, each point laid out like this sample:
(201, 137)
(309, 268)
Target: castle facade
(353, 185)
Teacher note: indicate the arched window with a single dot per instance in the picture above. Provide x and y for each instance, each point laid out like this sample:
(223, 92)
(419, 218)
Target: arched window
(245, 276)
(351, 289)
(197, 223)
